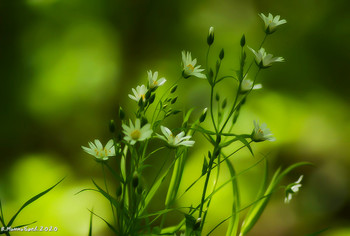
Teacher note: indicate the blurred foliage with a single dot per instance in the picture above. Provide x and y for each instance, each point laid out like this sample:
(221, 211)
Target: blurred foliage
(66, 65)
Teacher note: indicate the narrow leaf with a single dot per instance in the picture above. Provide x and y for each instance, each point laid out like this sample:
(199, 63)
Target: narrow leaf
(246, 143)
(108, 224)
(90, 226)
(106, 195)
(36, 197)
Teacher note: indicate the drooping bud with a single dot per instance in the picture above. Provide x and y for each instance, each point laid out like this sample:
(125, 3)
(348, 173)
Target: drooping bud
(203, 116)
(210, 38)
(111, 126)
(243, 41)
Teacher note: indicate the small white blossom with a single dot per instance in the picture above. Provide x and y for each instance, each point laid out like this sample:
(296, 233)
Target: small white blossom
(292, 189)
(189, 66)
(264, 60)
(153, 80)
(136, 133)
(176, 141)
(271, 22)
(97, 150)
(261, 133)
(247, 85)
(139, 92)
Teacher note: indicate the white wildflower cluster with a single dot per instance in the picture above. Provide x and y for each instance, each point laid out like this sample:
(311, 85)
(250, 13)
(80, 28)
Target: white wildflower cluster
(133, 140)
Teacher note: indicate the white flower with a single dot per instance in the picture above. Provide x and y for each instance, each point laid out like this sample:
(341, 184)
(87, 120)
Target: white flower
(97, 150)
(271, 22)
(292, 189)
(136, 133)
(261, 133)
(139, 92)
(153, 80)
(247, 85)
(176, 141)
(264, 60)
(189, 66)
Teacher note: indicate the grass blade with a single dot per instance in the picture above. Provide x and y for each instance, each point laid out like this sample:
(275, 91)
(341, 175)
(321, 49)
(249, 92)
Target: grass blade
(108, 224)
(234, 219)
(90, 225)
(36, 197)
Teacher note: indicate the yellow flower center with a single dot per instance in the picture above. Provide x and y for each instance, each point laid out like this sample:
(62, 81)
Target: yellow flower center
(190, 67)
(155, 82)
(136, 134)
(143, 96)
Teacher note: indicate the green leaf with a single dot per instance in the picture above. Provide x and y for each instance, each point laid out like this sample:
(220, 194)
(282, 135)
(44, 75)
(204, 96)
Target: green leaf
(20, 226)
(205, 166)
(106, 195)
(109, 225)
(187, 116)
(245, 142)
(36, 197)
(90, 225)
(319, 232)
(234, 219)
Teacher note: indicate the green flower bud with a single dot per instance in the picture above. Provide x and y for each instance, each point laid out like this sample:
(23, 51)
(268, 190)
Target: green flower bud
(135, 180)
(173, 89)
(217, 97)
(144, 121)
(222, 54)
(210, 38)
(139, 189)
(111, 126)
(121, 113)
(243, 41)
(173, 100)
(224, 103)
(151, 99)
(176, 112)
(203, 116)
(197, 224)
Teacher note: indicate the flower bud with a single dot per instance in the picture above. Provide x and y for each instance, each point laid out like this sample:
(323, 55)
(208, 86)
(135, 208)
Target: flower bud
(135, 180)
(224, 103)
(173, 89)
(122, 113)
(210, 38)
(217, 97)
(173, 100)
(222, 54)
(151, 99)
(243, 41)
(197, 224)
(203, 116)
(111, 126)
(176, 112)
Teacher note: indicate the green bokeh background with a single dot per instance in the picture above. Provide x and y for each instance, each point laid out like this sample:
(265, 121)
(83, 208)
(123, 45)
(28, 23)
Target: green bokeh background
(66, 65)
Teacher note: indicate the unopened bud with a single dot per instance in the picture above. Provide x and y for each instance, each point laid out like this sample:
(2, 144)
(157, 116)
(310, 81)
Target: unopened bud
(121, 113)
(151, 99)
(243, 41)
(217, 97)
(222, 54)
(135, 180)
(139, 189)
(210, 38)
(224, 103)
(111, 126)
(173, 89)
(204, 114)
(173, 100)
(197, 224)
(144, 121)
